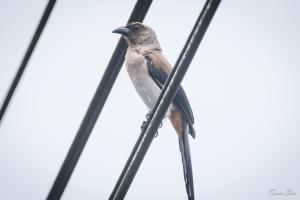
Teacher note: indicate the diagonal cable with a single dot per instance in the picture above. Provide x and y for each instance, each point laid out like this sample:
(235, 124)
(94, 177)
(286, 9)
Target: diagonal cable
(26, 57)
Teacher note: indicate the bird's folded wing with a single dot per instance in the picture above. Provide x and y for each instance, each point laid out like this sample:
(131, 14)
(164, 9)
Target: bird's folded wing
(180, 99)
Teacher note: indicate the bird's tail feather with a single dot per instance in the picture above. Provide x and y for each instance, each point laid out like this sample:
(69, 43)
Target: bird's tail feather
(186, 161)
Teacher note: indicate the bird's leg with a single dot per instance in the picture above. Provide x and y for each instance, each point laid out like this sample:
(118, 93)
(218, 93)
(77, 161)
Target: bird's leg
(144, 123)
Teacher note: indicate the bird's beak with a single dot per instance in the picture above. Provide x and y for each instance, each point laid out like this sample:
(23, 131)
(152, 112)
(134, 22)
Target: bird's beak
(122, 30)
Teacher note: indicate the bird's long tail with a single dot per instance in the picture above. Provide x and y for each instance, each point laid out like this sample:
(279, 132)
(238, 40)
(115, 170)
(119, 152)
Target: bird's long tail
(186, 160)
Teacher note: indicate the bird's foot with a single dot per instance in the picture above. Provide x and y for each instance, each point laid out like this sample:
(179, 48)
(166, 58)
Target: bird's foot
(148, 115)
(144, 124)
(156, 134)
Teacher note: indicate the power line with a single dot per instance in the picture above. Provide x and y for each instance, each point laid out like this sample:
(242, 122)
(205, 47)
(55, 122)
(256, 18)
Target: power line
(26, 57)
(95, 107)
(168, 92)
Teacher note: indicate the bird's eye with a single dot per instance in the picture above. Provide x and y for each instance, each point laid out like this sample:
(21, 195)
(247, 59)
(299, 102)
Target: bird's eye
(135, 28)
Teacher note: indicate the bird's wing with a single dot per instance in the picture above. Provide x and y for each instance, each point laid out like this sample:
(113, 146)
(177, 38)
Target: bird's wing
(180, 99)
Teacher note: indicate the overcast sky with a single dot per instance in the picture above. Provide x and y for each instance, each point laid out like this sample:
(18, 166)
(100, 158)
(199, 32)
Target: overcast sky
(243, 86)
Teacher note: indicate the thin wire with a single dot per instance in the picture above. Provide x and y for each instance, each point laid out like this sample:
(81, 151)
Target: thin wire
(26, 57)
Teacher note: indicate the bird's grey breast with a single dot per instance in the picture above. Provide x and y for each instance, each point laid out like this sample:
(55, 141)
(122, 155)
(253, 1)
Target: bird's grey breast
(142, 81)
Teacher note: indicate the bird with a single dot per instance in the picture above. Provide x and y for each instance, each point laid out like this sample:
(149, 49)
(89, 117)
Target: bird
(148, 70)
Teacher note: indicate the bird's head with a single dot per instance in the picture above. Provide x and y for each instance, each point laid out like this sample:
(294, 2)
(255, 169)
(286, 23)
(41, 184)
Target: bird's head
(138, 34)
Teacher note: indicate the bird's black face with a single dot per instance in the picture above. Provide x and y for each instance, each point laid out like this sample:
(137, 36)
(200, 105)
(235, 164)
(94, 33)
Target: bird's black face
(132, 32)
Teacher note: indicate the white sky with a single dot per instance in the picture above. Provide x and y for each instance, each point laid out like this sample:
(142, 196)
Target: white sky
(243, 85)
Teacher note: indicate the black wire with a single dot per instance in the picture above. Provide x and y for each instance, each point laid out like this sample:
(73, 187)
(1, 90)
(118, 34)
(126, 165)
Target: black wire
(95, 107)
(27, 56)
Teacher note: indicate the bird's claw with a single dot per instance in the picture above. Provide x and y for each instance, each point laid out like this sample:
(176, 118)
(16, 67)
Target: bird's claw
(148, 115)
(160, 125)
(144, 124)
(156, 134)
